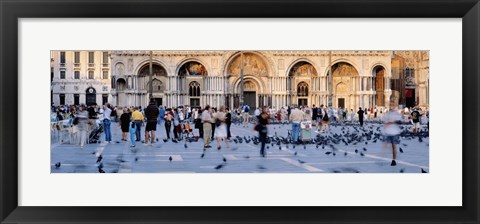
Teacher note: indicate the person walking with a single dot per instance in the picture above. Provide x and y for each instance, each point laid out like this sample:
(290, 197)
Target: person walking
(228, 121)
(138, 118)
(392, 132)
(207, 126)
(262, 129)
(132, 127)
(82, 125)
(151, 112)
(416, 119)
(360, 113)
(325, 121)
(296, 117)
(221, 129)
(168, 121)
(107, 112)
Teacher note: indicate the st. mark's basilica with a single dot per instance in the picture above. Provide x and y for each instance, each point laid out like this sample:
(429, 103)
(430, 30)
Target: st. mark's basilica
(342, 79)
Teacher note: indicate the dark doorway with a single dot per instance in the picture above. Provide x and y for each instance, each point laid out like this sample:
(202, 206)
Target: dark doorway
(104, 99)
(302, 102)
(341, 103)
(76, 99)
(250, 100)
(91, 96)
(194, 102)
(62, 99)
(158, 101)
(410, 97)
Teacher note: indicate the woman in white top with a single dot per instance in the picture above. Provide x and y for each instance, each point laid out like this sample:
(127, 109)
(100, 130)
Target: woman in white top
(221, 127)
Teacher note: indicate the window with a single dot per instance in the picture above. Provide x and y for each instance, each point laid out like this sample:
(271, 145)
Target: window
(105, 74)
(104, 99)
(302, 89)
(76, 75)
(112, 84)
(90, 75)
(77, 58)
(62, 74)
(62, 57)
(105, 58)
(76, 99)
(194, 89)
(91, 57)
(62, 99)
(156, 86)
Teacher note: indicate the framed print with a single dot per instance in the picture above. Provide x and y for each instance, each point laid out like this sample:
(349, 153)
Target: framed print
(387, 56)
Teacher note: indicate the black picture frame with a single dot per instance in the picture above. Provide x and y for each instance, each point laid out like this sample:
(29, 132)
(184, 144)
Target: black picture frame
(11, 11)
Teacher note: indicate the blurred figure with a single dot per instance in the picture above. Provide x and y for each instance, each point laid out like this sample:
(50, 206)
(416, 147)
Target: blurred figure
(228, 121)
(151, 112)
(107, 112)
(392, 132)
(245, 111)
(82, 125)
(221, 129)
(262, 129)
(137, 117)
(416, 120)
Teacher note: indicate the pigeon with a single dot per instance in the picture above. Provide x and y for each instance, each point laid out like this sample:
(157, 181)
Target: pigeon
(328, 153)
(345, 154)
(301, 161)
(136, 159)
(366, 143)
(361, 153)
(279, 147)
(334, 154)
(401, 150)
(156, 139)
(365, 149)
(356, 150)
(246, 157)
(293, 146)
(304, 147)
(260, 167)
(219, 166)
(170, 158)
(203, 155)
(57, 165)
(165, 140)
(117, 142)
(224, 159)
(174, 141)
(99, 158)
(185, 145)
(423, 171)
(295, 153)
(402, 170)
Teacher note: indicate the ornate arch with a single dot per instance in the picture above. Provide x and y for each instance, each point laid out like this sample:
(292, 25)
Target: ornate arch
(146, 61)
(290, 67)
(119, 69)
(268, 63)
(377, 64)
(256, 80)
(344, 60)
(187, 60)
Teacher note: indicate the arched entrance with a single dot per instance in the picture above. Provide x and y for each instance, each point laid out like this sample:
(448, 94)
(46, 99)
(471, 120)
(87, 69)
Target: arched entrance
(379, 84)
(159, 75)
(191, 78)
(342, 83)
(90, 96)
(299, 81)
(250, 93)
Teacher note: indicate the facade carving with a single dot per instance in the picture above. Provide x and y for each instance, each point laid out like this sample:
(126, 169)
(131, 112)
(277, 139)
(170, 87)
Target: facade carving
(348, 79)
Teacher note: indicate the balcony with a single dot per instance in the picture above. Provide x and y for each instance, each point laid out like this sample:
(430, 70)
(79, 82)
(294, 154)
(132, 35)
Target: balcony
(76, 65)
(90, 65)
(105, 64)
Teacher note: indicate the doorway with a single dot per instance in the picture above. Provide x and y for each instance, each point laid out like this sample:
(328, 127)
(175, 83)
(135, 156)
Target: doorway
(302, 102)
(91, 96)
(250, 99)
(341, 103)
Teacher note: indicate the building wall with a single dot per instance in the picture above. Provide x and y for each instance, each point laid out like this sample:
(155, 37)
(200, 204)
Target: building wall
(267, 79)
(70, 86)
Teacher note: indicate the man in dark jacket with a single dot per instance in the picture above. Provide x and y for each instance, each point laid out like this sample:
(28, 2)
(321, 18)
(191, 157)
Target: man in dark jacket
(151, 113)
(360, 116)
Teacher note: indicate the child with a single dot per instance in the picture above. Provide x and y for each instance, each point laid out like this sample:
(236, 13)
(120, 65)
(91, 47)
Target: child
(132, 130)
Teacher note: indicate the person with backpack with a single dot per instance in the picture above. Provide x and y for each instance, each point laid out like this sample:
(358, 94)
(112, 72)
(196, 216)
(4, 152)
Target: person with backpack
(245, 114)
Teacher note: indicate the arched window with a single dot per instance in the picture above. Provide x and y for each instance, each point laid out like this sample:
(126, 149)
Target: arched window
(302, 89)
(194, 89)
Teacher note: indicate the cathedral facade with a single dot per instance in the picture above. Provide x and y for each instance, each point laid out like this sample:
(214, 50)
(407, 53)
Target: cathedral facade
(346, 79)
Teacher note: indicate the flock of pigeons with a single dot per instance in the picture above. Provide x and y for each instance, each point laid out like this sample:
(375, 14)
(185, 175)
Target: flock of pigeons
(355, 136)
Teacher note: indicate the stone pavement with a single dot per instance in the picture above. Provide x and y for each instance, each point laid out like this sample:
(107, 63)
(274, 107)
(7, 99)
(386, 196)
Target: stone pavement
(118, 157)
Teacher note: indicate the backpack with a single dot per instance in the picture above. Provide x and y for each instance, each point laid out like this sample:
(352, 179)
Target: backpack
(325, 118)
(246, 108)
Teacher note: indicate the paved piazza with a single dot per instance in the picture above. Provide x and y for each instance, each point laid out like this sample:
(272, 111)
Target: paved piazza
(118, 157)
